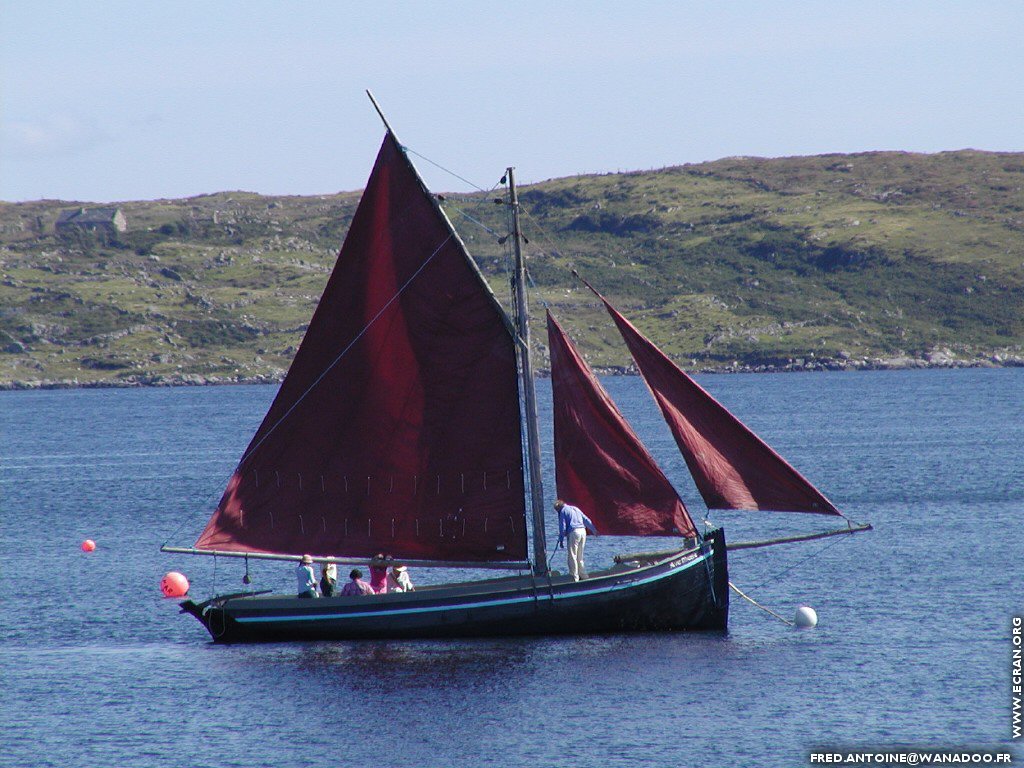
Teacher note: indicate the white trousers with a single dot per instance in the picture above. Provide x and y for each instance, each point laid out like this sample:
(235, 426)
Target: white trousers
(577, 540)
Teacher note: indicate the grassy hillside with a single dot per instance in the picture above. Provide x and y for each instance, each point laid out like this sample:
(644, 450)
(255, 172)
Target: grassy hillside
(831, 261)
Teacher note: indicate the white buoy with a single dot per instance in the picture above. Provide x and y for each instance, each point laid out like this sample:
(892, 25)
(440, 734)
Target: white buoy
(806, 617)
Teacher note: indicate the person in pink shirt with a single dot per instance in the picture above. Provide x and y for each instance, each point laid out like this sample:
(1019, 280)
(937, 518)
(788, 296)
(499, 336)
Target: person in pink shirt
(356, 585)
(379, 573)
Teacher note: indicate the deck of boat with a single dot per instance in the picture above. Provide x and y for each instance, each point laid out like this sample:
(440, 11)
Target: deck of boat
(687, 591)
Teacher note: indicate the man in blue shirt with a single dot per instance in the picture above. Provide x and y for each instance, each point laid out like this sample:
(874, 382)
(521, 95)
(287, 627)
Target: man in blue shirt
(573, 525)
(306, 579)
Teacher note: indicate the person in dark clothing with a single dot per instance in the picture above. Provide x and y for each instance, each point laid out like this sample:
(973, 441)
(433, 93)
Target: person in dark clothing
(328, 580)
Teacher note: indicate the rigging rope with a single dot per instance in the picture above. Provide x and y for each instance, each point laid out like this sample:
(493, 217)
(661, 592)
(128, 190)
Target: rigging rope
(622, 253)
(536, 290)
(345, 351)
(479, 223)
(209, 499)
(736, 589)
(446, 170)
(800, 562)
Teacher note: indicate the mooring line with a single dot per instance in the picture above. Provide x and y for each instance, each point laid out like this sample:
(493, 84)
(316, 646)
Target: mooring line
(754, 602)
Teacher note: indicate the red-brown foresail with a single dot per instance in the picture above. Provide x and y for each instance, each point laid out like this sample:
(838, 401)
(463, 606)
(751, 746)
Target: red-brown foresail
(600, 463)
(732, 467)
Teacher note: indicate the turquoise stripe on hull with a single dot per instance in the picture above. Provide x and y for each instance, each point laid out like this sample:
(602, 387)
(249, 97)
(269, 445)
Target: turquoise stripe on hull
(479, 604)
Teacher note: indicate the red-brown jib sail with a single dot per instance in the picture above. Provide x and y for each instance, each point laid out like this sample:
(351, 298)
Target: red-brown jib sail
(397, 428)
(600, 463)
(732, 467)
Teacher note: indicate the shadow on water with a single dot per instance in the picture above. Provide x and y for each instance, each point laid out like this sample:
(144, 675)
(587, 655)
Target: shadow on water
(415, 666)
(514, 666)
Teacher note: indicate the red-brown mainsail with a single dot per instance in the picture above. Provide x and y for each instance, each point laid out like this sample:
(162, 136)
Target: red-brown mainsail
(397, 428)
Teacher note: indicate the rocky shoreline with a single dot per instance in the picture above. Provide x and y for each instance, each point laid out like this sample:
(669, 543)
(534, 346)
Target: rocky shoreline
(929, 361)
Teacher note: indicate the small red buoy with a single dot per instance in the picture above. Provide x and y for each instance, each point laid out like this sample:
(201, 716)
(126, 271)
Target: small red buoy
(88, 545)
(174, 584)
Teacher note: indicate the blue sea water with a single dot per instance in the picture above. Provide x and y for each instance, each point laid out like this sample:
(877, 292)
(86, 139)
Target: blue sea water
(912, 649)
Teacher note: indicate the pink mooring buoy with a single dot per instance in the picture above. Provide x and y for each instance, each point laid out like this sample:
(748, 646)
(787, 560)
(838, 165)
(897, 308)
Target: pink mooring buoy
(174, 584)
(88, 545)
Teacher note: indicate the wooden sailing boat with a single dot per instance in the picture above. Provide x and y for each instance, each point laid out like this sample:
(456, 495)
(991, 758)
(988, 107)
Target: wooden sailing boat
(398, 429)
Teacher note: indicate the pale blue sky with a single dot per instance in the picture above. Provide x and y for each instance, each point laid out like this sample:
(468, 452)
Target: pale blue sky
(112, 100)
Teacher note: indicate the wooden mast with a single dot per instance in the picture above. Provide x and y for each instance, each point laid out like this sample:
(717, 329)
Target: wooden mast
(522, 331)
(529, 390)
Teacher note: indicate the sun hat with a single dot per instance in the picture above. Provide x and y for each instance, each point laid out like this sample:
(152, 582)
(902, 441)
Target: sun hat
(306, 559)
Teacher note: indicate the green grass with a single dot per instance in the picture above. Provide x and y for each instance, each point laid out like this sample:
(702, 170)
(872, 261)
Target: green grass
(754, 260)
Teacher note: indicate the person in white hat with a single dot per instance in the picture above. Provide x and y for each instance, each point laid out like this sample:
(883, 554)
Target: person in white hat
(399, 581)
(306, 577)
